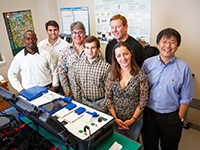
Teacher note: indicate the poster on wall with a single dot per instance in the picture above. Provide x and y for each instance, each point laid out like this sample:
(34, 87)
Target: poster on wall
(73, 14)
(17, 23)
(137, 13)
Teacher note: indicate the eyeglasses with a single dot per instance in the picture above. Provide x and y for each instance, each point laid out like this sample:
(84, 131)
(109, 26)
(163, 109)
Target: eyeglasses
(80, 32)
(168, 42)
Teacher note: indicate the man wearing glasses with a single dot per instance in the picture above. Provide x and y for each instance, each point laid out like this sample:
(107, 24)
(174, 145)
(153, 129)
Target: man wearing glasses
(170, 93)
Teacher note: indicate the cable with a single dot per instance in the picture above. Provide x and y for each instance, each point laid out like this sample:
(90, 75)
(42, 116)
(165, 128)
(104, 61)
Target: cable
(58, 146)
(44, 138)
(30, 135)
(39, 137)
(86, 127)
(31, 143)
(12, 125)
(30, 139)
(60, 143)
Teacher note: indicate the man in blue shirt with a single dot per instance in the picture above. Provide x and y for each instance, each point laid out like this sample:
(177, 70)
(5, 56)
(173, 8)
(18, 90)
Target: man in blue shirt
(170, 93)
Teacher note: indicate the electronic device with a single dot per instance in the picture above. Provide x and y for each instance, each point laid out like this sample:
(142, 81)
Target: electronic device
(56, 104)
(77, 118)
(79, 126)
(10, 129)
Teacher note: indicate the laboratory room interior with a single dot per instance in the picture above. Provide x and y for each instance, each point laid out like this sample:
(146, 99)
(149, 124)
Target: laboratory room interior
(180, 15)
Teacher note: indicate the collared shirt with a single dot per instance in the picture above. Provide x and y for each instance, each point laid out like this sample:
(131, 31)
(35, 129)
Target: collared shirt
(55, 49)
(90, 79)
(26, 51)
(36, 69)
(68, 59)
(125, 101)
(169, 85)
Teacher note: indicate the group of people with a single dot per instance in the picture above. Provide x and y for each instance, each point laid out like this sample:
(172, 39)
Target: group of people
(144, 96)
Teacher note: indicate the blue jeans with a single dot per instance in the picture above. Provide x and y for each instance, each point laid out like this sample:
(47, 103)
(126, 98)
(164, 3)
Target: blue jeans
(95, 104)
(134, 129)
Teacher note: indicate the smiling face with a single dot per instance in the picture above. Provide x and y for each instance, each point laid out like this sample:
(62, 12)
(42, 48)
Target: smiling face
(52, 32)
(91, 51)
(30, 41)
(78, 36)
(167, 48)
(118, 30)
(123, 56)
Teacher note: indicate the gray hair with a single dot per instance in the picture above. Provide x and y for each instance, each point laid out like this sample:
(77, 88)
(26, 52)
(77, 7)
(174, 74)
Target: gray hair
(78, 25)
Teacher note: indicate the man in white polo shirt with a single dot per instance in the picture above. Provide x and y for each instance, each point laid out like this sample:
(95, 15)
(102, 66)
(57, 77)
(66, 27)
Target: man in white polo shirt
(53, 44)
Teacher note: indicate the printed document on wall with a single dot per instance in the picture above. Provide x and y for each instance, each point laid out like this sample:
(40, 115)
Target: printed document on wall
(137, 13)
(70, 15)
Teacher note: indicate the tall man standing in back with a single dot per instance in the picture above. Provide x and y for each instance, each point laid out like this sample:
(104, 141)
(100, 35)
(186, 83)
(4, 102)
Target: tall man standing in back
(119, 26)
(53, 44)
(35, 65)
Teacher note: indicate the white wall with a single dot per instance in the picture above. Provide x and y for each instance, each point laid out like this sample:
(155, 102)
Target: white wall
(47, 10)
(182, 15)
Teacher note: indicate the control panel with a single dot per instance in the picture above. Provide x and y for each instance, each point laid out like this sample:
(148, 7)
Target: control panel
(80, 120)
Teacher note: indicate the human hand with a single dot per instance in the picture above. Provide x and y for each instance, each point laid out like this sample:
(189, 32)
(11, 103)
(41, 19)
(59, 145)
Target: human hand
(123, 127)
(69, 94)
(53, 89)
(129, 122)
(121, 124)
(21, 90)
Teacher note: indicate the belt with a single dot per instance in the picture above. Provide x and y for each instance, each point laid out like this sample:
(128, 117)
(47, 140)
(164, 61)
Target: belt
(93, 99)
(161, 113)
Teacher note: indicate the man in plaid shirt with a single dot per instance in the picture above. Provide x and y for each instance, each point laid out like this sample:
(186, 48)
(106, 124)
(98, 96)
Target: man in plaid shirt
(90, 75)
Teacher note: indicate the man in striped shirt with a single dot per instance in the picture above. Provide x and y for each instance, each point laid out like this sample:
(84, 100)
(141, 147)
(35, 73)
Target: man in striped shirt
(91, 75)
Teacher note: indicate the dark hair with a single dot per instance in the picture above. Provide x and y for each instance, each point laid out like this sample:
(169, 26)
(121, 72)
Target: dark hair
(51, 23)
(91, 39)
(29, 31)
(79, 25)
(168, 32)
(115, 68)
(122, 18)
